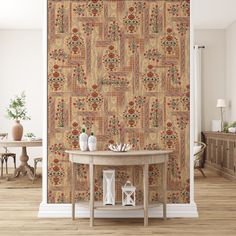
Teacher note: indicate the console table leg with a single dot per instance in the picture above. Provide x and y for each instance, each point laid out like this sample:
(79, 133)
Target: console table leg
(73, 190)
(164, 188)
(145, 193)
(91, 179)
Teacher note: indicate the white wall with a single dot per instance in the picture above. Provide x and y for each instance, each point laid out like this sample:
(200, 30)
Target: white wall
(21, 70)
(213, 72)
(231, 71)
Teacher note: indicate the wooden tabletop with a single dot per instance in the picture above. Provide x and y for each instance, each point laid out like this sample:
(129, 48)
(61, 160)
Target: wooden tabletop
(119, 158)
(112, 154)
(22, 143)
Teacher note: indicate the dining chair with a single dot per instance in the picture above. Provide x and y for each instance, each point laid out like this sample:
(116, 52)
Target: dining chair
(198, 156)
(36, 161)
(5, 155)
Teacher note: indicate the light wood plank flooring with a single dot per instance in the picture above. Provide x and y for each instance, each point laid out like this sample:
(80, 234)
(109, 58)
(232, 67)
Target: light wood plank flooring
(215, 196)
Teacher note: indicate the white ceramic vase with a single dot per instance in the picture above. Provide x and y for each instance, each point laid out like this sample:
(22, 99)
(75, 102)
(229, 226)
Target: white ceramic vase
(83, 141)
(92, 143)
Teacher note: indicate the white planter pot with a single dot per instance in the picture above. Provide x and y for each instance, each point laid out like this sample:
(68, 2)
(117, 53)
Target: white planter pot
(232, 129)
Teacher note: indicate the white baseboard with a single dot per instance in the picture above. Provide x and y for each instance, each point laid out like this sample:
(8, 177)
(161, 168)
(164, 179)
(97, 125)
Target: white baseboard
(64, 211)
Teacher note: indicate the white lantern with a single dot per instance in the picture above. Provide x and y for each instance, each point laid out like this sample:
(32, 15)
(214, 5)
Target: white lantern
(128, 194)
(108, 187)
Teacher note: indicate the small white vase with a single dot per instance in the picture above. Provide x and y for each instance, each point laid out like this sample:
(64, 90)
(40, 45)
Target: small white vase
(92, 143)
(83, 141)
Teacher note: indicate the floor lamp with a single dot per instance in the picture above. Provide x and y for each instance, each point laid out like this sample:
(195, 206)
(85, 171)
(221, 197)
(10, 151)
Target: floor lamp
(221, 104)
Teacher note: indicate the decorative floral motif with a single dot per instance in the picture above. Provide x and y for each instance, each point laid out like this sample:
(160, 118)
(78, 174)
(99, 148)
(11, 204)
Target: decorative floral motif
(174, 9)
(150, 79)
(80, 104)
(114, 31)
(182, 121)
(79, 9)
(155, 114)
(185, 6)
(56, 79)
(133, 46)
(60, 114)
(169, 42)
(174, 174)
(151, 146)
(95, 7)
(111, 59)
(173, 168)
(115, 81)
(139, 6)
(174, 104)
(173, 197)
(173, 76)
(185, 192)
(114, 125)
(57, 149)
(61, 198)
(75, 42)
(153, 55)
(134, 141)
(88, 122)
(156, 20)
(94, 99)
(131, 21)
(185, 99)
(58, 55)
(88, 28)
(82, 171)
(154, 174)
(79, 75)
(73, 136)
(169, 136)
(121, 175)
(60, 19)
(131, 115)
(56, 172)
(182, 27)
(139, 101)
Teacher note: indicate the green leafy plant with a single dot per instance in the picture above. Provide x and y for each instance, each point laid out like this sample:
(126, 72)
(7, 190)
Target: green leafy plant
(233, 124)
(30, 135)
(17, 108)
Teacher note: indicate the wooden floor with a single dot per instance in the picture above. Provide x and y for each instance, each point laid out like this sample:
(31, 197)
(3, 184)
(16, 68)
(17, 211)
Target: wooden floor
(215, 197)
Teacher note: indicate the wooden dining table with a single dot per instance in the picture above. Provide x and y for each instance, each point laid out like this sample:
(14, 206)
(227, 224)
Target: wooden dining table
(24, 167)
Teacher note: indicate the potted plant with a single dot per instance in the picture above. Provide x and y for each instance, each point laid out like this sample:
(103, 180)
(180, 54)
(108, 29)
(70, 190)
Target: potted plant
(30, 136)
(230, 128)
(17, 111)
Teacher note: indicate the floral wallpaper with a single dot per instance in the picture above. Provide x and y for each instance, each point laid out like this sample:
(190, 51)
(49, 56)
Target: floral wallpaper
(120, 68)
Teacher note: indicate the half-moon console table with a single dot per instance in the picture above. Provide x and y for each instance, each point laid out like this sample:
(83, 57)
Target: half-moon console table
(109, 158)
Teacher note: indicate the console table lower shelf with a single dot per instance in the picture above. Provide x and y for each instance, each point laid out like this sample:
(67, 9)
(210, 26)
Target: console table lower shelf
(108, 158)
(118, 207)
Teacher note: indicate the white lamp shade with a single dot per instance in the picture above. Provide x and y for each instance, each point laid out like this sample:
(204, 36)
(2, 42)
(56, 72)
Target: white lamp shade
(221, 103)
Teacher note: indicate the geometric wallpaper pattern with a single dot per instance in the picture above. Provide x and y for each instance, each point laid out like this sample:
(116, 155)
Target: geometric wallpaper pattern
(119, 68)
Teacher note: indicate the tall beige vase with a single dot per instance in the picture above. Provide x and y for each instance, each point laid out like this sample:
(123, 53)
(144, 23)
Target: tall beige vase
(17, 131)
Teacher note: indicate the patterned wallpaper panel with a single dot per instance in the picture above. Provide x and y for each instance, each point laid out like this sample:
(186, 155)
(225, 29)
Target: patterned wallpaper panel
(120, 68)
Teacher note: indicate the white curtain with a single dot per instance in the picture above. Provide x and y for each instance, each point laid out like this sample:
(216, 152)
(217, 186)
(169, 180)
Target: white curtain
(197, 92)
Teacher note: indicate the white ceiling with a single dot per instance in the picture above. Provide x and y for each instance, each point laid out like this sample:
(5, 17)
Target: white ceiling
(213, 14)
(29, 14)
(22, 14)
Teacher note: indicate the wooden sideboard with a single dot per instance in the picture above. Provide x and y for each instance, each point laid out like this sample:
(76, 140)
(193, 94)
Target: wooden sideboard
(220, 154)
